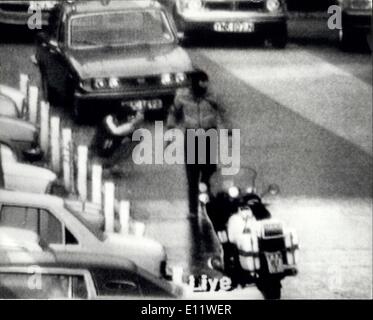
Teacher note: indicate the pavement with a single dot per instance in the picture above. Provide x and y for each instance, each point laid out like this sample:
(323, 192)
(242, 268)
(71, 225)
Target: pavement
(305, 115)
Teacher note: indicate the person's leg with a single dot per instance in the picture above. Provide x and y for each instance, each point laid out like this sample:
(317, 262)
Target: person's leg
(193, 175)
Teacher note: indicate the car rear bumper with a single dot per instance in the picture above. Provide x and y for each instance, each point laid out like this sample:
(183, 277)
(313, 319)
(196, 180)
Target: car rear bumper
(358, 20)
(204, 21)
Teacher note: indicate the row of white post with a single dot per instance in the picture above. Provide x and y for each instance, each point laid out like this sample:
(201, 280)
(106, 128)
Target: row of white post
(59, 147)
(72, 163)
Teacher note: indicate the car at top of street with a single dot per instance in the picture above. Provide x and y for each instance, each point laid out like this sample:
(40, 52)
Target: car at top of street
(18, 12)
(73, 274)
(25, 177)
(267, 18)
(72, 225)
(104, 54)
(356, 20)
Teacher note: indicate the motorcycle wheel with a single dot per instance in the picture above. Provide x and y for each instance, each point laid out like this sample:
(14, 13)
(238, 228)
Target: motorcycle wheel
(271, 289)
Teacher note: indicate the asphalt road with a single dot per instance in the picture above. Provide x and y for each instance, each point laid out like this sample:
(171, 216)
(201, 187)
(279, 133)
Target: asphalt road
(305, 115)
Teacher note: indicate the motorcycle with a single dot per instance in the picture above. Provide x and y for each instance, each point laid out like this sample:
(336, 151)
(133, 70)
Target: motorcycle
(256, 248)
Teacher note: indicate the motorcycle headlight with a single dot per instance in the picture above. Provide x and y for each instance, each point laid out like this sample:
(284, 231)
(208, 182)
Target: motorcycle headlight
(191, 5)
(273, 5)
(233, 192)
(114, 83)
(180, 77)
(166, 79)
(99, 83)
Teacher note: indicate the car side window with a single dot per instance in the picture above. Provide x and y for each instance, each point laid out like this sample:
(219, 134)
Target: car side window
(8, 108)
(7, 154)
(45, 286)
(42, 222)
(116, 283)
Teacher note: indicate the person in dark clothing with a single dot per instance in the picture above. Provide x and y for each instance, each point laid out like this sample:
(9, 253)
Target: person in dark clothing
(196, 109)
(113, 139)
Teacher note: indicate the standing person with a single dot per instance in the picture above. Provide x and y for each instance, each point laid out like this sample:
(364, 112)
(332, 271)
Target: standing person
(195, 109)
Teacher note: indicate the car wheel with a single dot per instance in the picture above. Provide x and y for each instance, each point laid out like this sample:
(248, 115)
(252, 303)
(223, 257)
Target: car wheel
(345, 39)
(280, 40)
(271, 289)
(46, 90)
(78, 114)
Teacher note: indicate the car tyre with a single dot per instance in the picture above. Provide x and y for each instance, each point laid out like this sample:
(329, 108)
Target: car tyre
(271, 289)
(345, 39)
(78, 114)
(46, 89)
(280, 40)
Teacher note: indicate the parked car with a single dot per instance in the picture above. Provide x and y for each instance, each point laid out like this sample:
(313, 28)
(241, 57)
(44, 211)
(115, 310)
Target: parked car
(75, 275)
(13, 101)
(18, 12)
(25, 177)
(20, 239)
(22, 136)
(71, 225)
(267, 18)
(103, 55)
(356, 21)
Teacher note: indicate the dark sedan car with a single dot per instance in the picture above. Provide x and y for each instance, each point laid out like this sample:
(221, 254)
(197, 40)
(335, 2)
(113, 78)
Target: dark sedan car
(103, 55)
(76, 275)
(266, 18)
(18, 12)
(22, 137)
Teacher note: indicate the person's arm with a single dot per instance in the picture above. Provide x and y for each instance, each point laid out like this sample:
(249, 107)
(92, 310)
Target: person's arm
(121, 130)
(224, 122)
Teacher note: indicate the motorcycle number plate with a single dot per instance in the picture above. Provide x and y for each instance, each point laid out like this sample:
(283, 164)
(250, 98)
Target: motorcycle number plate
(274, 262)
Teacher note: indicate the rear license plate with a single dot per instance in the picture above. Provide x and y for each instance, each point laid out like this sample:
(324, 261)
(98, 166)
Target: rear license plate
(142, 105)
(274, 262)
(234, 27)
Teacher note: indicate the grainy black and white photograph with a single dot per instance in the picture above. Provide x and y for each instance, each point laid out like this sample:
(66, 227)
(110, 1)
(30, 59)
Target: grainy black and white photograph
(186, 150)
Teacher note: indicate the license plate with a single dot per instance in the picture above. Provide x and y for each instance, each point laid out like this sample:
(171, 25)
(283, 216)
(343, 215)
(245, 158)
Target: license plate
(140, 105)
(234, 27)
(275, 262)
(42, 5)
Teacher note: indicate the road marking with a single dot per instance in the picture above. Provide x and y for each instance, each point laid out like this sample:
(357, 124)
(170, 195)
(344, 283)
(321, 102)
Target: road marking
(317, 90)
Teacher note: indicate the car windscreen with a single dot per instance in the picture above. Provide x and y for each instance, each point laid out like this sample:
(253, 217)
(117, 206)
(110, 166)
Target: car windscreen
(8, 108)
(120, 28)
(79, 211)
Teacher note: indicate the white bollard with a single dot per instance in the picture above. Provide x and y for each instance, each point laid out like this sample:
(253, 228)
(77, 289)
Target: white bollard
(177, 274)
(23, 83)
(44, 126)
(33, 104)
(55, 144)
(124, 216)
(109, 194)
(97, 184)
(82, 172)
(66, 157)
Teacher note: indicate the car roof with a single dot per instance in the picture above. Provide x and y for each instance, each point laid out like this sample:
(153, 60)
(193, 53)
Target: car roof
(63, 259)
(92, 6)
(30, 199)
